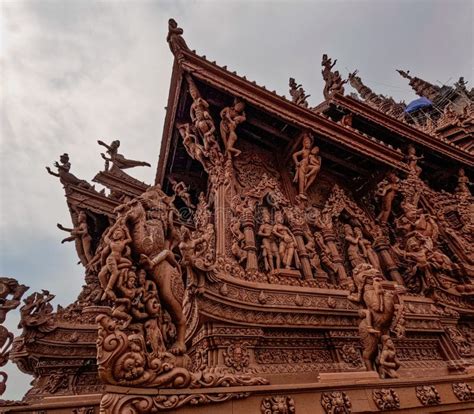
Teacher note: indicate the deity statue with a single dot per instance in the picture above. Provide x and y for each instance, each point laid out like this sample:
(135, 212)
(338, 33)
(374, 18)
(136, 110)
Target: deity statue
(175, 38)
(65, 176)
(232, 116)
(413, 221)
(308, 164)
(353, 246)
(270, 252)
(463, 183)
(237, 247)
(117, 159)
(80, 234)
(365, 246)
(377, 317)
(201, 117)
(195, 150)
(114, 257)
(412, 161)
(387, 190)
(286, 244)
(182, 191)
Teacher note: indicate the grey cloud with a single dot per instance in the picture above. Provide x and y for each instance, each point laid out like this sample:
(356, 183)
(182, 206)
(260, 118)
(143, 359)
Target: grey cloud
(77, 71)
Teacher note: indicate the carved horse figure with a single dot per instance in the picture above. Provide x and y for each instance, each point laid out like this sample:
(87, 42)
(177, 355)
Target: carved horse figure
(150, 232)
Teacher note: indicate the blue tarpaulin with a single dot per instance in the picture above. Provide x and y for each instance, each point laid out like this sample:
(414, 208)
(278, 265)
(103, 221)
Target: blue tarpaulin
(417, 104)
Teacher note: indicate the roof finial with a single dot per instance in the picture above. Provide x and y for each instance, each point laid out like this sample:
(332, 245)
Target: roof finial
(334, 83)
(175, 38)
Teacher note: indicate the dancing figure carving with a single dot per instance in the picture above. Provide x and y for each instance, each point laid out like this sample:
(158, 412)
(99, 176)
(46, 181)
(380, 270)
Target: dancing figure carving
(308, 164)
(117, 159)
(231, 117)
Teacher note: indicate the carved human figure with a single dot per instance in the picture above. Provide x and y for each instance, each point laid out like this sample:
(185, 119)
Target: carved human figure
(126, 306)
(65, 176)
(327, 65)
(412, 160)
(388, 361)
(182, 191)
(308, 164)
(314, 259)
(238, 240)
(175, 38)
(365, 247)
(415, 221)
(463, 183)
(286, 243)
(270, 252)
(387, 190)
(231, 117)
(80, 234)
(353, 246)
(415, 257)
(114, 257)
(117, 159)
(337, 83)
(191, 143)
(201, 117)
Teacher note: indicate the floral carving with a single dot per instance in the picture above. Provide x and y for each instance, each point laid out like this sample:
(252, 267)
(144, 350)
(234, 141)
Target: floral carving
(428, 395)
(463, 391)
(386, 399)
(278, 404)
(336, 402)
(350, 355)
(237, 357)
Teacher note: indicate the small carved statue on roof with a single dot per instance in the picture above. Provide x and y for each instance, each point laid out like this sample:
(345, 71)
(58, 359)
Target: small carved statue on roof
(463, 183)
(337, 84)
(286, 244)
(387, 190)
(64, 175)
(36, 310)
(175, 38)
(297, 93)
(80, 234)
(182, 191)
(114, 257)
(118, 160)
(232, 116)
(333, 80)
(412, 161)
(201, 117)
(404, 74)
(308, 163)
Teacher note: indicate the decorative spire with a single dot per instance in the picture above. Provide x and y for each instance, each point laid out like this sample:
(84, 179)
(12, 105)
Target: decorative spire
(333, 81)
(175, 38)
(384, 104)
(420, 86)
(298, 94)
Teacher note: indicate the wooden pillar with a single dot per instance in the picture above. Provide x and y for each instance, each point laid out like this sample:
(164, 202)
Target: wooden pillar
(248, 224)
(220, 216)
(382, 247)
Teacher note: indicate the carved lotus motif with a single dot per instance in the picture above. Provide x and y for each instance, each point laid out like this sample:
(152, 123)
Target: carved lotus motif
(278, 404)
(336, 402)
(463, 391)
(428, 395)
(386, 399)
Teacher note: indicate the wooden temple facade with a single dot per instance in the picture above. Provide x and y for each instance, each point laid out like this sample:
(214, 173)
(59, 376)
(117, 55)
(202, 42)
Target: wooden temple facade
(287, 259)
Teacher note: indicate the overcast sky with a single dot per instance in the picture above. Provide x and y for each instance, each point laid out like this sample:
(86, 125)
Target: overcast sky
(80, 70)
